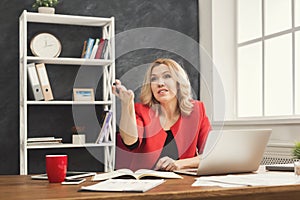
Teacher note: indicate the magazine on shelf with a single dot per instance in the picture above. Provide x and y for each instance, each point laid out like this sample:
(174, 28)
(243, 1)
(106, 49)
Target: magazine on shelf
(104, 132)
(139, 174)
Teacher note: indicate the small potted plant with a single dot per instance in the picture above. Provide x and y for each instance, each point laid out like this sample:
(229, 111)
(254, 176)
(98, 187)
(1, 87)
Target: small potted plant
(296, 151)
(45, 6)
(296, 154)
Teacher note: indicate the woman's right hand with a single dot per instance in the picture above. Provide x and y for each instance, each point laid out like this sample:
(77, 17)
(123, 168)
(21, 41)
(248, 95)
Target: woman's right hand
(128, 128)
(125, 95)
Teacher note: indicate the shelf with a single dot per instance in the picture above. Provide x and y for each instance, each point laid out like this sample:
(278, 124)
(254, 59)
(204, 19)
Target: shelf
(69, 61)
(69, 102)
(27, 106)
(67, 19)
(50, 146)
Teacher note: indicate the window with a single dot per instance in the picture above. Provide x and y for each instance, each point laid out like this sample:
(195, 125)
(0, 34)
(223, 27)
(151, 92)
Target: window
(268, 58)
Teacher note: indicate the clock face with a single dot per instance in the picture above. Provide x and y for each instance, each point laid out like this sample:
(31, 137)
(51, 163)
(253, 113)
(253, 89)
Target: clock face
(45, 45)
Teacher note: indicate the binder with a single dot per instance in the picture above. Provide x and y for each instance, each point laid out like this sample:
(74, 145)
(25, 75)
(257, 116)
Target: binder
(34, 82)
(105, 128)
(44, 81)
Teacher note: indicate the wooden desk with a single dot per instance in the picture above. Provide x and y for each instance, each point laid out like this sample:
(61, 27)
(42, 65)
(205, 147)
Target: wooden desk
(22, 187)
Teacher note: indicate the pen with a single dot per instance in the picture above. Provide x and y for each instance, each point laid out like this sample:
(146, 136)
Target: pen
(117, 90)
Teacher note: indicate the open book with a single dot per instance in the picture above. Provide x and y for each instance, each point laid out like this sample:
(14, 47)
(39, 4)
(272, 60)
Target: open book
(123, 185)
(139, 174)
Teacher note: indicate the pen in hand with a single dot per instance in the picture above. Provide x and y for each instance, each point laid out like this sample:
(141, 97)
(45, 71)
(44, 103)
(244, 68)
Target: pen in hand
(117, 89)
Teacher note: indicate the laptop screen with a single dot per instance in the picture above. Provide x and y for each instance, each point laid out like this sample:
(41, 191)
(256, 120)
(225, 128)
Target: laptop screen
(233, 151)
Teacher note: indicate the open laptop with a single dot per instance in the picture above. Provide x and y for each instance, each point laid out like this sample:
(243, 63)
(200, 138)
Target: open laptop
(231, 151)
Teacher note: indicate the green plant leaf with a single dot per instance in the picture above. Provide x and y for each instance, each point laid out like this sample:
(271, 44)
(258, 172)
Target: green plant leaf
(44, 3)
(296, 150)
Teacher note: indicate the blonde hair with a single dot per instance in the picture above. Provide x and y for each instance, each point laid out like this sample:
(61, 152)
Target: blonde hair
(184, 93)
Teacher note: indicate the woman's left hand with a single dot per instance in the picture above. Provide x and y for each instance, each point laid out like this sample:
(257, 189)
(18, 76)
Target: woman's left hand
(166, 163)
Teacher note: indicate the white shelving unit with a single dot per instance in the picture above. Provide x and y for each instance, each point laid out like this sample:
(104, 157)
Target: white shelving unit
(107, 25)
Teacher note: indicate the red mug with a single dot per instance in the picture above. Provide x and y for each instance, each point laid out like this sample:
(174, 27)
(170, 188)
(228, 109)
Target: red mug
(56, 168)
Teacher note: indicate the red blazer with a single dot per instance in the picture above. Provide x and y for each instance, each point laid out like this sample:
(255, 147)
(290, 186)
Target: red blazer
(190, 133)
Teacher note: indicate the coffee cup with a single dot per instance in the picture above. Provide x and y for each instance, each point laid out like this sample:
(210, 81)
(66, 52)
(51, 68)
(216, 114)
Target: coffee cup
(56, 168)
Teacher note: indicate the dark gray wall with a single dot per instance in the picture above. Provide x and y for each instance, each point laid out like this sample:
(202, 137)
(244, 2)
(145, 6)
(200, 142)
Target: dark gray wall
(176, 15)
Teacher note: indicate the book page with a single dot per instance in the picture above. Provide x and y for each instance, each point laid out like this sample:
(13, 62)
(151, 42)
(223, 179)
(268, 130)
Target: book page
(147, 173)
(141, 173)
(127, 171)
(114, 174)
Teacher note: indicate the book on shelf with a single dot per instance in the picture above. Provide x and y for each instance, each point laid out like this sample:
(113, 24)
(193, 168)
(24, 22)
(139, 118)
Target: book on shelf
(101, 48)
(123, 185)
(94, 50)
(104, 50)
(39, 139)
(139, 174)
(89, 47)
(43, 141)
(104, 132)
(34, 82)
(83, 49)
(104, 54)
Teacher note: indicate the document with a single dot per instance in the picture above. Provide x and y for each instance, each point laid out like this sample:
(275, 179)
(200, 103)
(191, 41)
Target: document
(34, 82)
(44, 81)
(139, 174)
(260, 179)
(123, 185)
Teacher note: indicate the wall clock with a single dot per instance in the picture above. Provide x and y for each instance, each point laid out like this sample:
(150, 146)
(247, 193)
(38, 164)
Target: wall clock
(45, 45)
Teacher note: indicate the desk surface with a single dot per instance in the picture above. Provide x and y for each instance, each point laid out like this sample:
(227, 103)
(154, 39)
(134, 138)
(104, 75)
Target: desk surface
(22, 187)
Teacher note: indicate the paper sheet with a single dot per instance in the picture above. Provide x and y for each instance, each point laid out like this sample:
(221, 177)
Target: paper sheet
(260, 179)
(124, 185)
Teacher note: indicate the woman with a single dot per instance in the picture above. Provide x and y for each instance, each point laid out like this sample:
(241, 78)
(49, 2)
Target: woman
(168, 129)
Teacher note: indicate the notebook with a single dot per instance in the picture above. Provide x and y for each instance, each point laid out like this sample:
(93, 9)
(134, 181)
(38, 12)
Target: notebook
(231, 151)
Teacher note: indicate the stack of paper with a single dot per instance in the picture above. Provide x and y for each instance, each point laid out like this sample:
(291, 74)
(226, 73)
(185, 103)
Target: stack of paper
(43, 141)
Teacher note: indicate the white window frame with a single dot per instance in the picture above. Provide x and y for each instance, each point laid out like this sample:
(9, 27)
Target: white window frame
(262, 40)
(225, 54)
